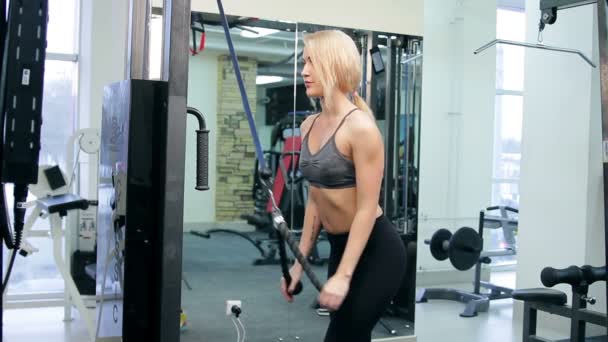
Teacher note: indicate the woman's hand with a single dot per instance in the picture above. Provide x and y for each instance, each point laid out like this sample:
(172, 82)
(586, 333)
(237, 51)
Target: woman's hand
(296, 275)
(333, 293)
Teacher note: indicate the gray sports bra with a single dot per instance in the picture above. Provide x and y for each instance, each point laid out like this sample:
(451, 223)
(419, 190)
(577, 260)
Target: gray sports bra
(328, 168)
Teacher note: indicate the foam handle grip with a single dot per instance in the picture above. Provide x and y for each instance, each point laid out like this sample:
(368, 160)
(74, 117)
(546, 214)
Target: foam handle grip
(571, 275)
(293, 245)
(593, 274)
(202, 160)
(298, 287)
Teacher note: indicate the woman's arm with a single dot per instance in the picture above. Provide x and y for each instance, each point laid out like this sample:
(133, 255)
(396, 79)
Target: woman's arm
(368, 157)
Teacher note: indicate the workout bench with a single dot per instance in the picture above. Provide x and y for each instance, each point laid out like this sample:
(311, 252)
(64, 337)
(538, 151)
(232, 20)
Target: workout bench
(554, 301)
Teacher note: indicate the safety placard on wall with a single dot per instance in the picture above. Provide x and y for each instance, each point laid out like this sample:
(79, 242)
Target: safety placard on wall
(605, 150)
(87, 229)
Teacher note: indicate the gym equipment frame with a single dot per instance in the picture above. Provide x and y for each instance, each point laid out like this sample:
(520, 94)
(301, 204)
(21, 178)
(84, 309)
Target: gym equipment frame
(554, 301)
(464, 248)
(549, 10)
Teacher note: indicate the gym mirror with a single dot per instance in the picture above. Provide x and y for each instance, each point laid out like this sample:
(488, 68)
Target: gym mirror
(470, 157)
(392, 75)
(230, 250)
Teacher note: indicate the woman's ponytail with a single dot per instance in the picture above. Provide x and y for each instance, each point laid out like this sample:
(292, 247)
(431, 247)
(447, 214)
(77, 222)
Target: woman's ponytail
(361, 104)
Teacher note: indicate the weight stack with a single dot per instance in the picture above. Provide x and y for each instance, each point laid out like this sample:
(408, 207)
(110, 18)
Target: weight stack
(131, 228)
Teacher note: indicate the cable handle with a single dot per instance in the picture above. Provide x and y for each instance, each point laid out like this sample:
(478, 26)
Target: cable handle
(281, 226)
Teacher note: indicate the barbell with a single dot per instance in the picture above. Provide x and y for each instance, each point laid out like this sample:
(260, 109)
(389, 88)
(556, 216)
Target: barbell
(463, 248)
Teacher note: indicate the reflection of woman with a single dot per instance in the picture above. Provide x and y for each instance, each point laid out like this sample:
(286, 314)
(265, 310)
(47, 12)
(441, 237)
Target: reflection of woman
(342, 157)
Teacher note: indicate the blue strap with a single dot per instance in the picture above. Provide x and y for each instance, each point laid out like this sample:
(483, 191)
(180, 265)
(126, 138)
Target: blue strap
(278, 220)
(237, 71)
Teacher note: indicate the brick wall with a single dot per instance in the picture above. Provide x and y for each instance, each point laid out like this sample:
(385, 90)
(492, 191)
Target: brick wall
(235, 160)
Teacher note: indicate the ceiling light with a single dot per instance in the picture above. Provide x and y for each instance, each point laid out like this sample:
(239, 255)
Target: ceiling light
(261, 32)
(264, 79)
(382, 36)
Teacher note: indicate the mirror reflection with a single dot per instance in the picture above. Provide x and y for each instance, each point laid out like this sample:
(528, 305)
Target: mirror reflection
(232, 250)
(499, 151)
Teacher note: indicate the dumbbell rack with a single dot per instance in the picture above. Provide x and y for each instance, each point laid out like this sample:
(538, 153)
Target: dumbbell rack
(509, 226)
(477, 301)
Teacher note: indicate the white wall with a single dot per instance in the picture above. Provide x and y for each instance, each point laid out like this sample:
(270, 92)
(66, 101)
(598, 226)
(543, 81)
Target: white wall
(397, 16)
(457, 120)
(101, 61)
(199, 206)
(264, 131)
(203, 95)
(561, 207)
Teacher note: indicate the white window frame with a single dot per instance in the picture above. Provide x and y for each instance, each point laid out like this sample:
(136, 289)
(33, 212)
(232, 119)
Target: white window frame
(51, 299)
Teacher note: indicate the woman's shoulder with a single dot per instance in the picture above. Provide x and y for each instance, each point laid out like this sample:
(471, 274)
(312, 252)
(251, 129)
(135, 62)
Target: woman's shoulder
(305, 125)
(361, 121)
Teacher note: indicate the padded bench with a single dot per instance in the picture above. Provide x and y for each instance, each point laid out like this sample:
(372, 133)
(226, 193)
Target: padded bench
(541, 295)
(554, 302)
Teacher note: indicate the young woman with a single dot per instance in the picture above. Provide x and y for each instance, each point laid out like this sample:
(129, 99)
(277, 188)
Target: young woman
(342, 157)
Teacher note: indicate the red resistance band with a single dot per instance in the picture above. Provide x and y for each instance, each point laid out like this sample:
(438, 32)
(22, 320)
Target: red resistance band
(291, 144)
(201, 45)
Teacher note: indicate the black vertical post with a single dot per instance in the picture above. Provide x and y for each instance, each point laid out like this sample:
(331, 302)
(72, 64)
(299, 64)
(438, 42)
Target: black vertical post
(409, 82)
(398, 74)
(389, 118)
(530, 315)
(477, 283)
(603, 50)
(363, 40)
(176, 27)
(577, 325)
(5, 218)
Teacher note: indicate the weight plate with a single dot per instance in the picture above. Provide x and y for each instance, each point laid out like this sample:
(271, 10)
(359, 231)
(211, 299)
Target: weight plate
(437, 249)
(465, 248)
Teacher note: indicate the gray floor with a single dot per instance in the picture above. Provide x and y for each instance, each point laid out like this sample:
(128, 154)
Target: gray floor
(222, 266)
(266, 316)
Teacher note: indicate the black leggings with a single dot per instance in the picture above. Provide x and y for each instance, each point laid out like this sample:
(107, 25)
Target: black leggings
(374, 284)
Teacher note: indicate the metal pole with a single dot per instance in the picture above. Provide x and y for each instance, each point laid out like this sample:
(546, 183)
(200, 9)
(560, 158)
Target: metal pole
(176, 28)
(398, 74)
(410, 82)
(364, 53)
(476, 284)
(603, 51)
(138, 40)
(389, 131)
(372, 78)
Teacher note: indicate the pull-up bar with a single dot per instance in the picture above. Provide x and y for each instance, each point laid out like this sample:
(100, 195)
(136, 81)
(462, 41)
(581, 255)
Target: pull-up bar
(536, 46)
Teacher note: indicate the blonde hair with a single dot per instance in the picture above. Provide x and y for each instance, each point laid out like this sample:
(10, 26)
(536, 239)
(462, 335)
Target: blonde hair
(337, 63)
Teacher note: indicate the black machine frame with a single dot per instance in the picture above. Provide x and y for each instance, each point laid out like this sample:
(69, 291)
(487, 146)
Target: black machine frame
(578, 313)
(554, 301)
(479, 301)
(23, 31)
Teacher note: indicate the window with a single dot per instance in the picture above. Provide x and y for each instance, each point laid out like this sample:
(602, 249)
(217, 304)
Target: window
(510, 24)
(37, 274)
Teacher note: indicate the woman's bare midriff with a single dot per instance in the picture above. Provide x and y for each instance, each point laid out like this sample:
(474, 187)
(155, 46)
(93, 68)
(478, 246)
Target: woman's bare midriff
(336, 208)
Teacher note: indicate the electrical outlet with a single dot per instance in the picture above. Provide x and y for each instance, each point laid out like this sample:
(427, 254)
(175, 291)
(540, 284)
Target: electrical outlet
(230, 304)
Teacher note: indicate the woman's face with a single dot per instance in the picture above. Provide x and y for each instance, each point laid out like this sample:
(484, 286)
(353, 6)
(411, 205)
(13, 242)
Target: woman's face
(313, 86)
